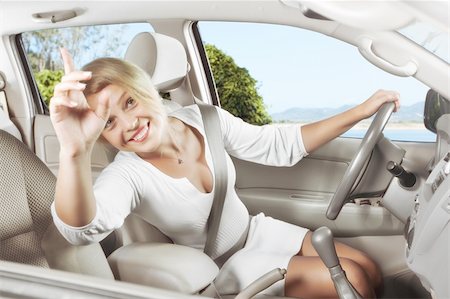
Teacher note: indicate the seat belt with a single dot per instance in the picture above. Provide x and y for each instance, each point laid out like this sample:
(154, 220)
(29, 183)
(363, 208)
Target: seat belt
(213, 134)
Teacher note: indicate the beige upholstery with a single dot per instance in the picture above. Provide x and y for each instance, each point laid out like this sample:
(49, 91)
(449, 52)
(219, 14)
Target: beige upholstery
(164, 59)
(27, 233)
(161, 56)
(163, 265)
(7, 125)
(143, 257)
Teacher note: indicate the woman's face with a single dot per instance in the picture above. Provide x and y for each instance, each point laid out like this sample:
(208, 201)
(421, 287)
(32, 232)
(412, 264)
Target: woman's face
(133, 124)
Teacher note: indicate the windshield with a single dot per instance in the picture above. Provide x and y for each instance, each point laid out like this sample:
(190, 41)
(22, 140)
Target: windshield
(429, 37)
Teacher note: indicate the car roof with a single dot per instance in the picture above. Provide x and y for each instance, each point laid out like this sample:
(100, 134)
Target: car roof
(348, 21)
(381, 15)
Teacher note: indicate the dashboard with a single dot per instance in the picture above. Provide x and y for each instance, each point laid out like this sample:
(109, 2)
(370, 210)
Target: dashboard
(428, 231)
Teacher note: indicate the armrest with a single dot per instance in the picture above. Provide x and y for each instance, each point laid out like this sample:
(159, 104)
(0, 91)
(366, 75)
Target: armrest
(163, 265)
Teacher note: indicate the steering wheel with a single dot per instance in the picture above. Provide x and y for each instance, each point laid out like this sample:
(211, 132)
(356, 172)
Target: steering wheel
(367, 145)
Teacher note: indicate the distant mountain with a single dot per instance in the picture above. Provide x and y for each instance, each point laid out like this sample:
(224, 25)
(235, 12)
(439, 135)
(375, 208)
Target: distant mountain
(412, 113)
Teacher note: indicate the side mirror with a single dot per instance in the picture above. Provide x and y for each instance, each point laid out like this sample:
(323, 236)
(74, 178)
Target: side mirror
(435, 106)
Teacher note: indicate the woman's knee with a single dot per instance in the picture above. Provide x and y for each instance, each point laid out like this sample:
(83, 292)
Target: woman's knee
(358, 277)
(366, 262)
(307, 277)
(371, 268)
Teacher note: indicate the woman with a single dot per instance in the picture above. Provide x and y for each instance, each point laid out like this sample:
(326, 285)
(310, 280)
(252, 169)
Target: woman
(163, 174)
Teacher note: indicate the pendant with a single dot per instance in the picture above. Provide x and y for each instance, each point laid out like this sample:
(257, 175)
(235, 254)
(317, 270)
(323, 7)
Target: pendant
(180, 161)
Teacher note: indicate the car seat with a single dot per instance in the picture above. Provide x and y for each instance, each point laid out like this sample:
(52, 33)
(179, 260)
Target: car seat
(27, 233)
(145, 255)
(164, 59)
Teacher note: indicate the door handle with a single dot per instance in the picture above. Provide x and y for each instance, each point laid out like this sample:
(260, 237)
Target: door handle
(54, 16)
(365, 48)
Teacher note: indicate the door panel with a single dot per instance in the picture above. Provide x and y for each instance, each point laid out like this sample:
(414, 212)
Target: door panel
(301, 194)
(327, 163)
(47, 148)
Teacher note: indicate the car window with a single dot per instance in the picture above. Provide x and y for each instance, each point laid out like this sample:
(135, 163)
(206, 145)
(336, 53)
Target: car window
(84, 43)
(300, 76)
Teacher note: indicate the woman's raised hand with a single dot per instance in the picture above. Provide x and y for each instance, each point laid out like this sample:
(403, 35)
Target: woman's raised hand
(77, 123)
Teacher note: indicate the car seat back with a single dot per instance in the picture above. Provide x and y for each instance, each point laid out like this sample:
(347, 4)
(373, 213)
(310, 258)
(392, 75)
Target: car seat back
(164, 59)
(27, 233)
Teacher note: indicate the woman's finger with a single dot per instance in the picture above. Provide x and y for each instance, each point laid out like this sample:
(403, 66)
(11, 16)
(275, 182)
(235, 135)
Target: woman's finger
(397, 104)
(63, 87)
(56, 103)
(67, 60)
(394, 97)
(77, 76)
(103, 108)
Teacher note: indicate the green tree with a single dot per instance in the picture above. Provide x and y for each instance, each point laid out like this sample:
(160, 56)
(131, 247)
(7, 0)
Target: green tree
(46, 81)
(236, 88)
(84, 43)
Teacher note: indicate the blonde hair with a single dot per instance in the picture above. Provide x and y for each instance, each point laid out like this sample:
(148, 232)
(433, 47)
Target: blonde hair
(114, 71)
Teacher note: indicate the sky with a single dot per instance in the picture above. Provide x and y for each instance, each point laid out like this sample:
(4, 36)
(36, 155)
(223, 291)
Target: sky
(292, 65)
(296, 67)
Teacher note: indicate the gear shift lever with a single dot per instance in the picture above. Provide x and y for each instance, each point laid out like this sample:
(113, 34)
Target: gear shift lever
(322, 240)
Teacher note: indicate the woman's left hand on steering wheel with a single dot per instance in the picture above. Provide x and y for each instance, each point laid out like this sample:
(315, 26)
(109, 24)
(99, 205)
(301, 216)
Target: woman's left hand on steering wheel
(373, 104)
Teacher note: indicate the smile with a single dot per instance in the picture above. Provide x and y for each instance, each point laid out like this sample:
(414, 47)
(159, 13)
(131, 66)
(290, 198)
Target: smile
(141, 134)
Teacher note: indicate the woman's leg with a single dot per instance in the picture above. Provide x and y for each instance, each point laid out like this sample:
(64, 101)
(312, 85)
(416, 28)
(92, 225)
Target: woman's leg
(345, 251)
(308, 277)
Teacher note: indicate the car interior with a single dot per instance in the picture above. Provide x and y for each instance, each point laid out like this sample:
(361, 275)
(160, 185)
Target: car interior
(390, 199)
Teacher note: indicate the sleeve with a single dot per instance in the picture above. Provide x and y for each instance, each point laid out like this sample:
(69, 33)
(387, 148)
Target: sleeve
(116, 194)
(273, 145)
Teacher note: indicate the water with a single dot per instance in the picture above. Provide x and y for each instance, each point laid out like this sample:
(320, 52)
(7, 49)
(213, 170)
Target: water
(419, 135)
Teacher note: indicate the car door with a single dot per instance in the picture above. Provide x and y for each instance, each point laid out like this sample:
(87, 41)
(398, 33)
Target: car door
(304, 76)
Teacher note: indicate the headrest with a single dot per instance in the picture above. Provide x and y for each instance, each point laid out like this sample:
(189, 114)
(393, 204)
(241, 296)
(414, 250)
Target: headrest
(162, 57)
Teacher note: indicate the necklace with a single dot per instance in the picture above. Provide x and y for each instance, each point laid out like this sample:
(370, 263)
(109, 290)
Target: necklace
(178, 158)
(177, 151)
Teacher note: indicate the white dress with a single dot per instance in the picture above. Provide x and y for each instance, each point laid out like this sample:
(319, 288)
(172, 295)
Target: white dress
(179, 210)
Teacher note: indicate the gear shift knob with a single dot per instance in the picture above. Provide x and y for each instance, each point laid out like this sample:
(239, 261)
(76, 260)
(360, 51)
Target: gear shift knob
(322, 240)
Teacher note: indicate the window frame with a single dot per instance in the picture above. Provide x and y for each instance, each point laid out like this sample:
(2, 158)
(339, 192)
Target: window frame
(212, 86)
(38, 100)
